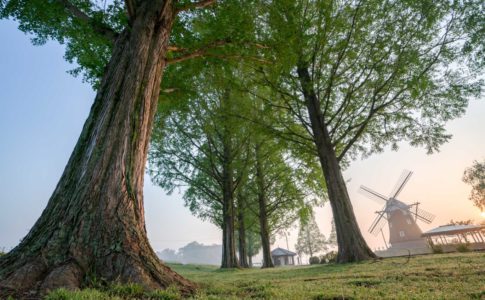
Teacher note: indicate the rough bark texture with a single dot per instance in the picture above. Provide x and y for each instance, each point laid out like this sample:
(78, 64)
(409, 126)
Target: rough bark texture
(263, 213)
(93, 226)
(351, 245)
(243, 261)
(229, 258)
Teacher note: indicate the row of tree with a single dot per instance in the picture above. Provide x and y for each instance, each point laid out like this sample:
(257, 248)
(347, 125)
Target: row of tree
(234, 172)
(331, 80)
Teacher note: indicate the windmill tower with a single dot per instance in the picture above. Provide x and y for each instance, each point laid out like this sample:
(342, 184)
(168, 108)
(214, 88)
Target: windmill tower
(404, 232)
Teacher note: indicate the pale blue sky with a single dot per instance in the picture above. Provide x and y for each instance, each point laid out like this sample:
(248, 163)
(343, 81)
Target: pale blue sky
(42, 110)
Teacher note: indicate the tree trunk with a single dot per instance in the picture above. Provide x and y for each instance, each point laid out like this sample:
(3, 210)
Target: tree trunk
(243, 262)
(229, 259)
(351, 245)
(263, 214)
(309, 240)
(94, 226)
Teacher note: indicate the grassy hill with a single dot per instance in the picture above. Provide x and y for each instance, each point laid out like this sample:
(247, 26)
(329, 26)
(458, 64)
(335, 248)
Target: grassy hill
(439, 276)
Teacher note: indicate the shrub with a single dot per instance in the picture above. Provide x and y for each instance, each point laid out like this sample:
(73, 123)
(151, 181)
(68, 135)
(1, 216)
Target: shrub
(437, 249)
(329, 257)
(314, 260)
(463, 247)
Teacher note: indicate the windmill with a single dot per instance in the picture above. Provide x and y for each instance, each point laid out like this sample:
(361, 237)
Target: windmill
(402, 218)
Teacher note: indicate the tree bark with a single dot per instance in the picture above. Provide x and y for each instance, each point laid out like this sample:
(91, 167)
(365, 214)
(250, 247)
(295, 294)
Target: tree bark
(229, 259)
(263, 213)
(351, 244)
(243, 261)
(94, 225)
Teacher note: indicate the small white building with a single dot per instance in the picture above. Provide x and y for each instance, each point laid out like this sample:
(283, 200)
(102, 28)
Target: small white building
(283, 257)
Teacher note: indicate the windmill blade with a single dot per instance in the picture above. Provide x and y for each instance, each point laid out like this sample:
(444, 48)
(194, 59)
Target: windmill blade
(423, 215)
(372, 194)
(378, 224)
(405, 176)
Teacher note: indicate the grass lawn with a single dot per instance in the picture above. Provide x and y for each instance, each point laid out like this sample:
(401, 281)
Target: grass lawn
(438, 276)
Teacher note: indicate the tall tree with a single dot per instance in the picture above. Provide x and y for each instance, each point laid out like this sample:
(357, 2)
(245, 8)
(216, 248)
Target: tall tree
(94, 223)
(201, 145)
(475, 176)
(253, 244)
(241, 229)
(310, 239)
(332, 238)
(360, 75)
(279, 198)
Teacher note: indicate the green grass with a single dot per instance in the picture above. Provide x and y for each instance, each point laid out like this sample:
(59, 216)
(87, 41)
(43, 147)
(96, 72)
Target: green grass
(438, 276)
(443, 276)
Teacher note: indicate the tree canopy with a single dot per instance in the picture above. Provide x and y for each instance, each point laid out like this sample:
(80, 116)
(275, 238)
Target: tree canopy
(475, 176)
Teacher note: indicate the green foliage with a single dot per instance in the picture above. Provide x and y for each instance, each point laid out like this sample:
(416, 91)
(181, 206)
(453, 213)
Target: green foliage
(253, 241)
(463, 247)
(310, 239)
(86, 294)
(89, 29)
(115, 292)
(127, 290)
(332, 239)
(383, 72)
(314, 260)
(437, 249)
(85, 43)
(201, 145)
(329, 257)
(463, 222)
(475, 176)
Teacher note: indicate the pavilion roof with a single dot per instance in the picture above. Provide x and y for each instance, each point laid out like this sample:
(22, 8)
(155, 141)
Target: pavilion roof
(452, 229)
(282, 252)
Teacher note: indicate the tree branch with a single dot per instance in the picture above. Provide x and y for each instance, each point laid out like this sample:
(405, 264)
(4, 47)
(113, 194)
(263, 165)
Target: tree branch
(130, 9)
(98, 27)
(195, 5)
(196, 53)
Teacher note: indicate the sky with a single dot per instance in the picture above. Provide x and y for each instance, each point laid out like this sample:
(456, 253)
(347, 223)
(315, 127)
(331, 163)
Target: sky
(43, 108)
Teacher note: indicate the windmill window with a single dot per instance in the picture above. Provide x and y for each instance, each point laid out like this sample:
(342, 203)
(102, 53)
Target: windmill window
(401, 233)
(408, 221)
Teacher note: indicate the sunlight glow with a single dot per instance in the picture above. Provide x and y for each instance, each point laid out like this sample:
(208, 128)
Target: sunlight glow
(482, 214)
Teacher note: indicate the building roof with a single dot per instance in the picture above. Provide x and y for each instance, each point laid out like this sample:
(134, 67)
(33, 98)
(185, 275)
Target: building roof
(282, 252)
(452, 229)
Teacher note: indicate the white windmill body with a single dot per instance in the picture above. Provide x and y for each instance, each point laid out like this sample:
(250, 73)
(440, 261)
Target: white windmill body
(404, 232)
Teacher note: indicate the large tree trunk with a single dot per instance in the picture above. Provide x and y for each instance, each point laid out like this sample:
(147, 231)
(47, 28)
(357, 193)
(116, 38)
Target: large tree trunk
(263, 213)
(351, 245)
(229, 258)
(94, 224)
(243, 261)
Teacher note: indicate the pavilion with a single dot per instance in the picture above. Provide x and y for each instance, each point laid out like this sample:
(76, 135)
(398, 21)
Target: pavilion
(450, 236)
(282, 257)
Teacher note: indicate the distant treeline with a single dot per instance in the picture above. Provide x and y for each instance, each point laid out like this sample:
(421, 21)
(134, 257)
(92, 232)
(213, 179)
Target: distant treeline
(193, 253)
